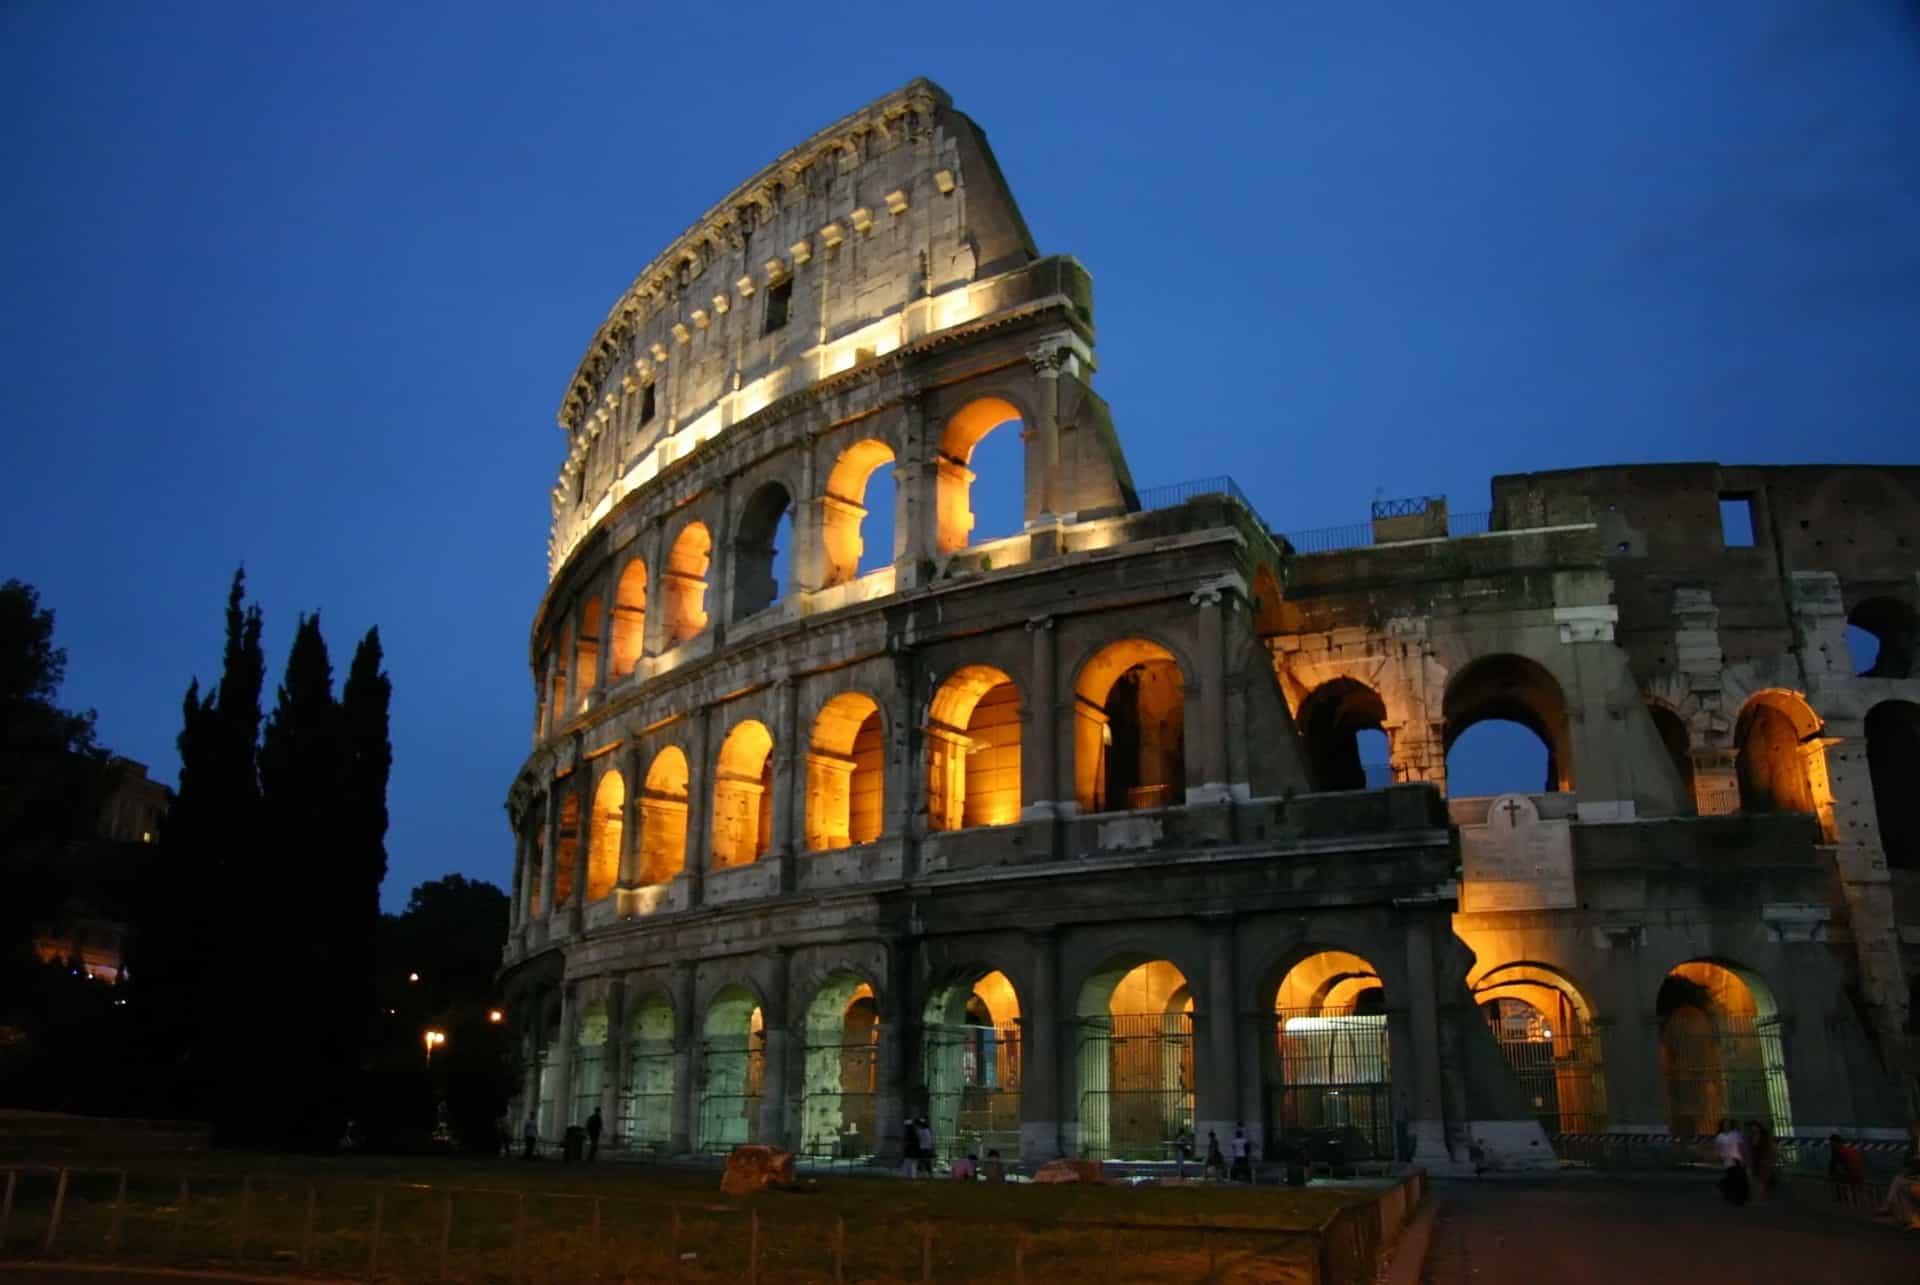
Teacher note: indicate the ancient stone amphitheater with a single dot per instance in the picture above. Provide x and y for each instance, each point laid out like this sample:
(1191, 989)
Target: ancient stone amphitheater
(1066, 839)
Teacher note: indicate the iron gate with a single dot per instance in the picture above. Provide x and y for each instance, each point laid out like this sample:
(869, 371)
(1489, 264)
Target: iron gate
(1561, 1079)
(837, 1105)
(972, 1080)
(646, 1096)
(1334, 1097)
(732, 1069)
(1136, 1085)
(1718, 1067)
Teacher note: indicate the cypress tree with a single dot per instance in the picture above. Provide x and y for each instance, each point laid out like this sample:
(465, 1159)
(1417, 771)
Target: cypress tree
(364, 703)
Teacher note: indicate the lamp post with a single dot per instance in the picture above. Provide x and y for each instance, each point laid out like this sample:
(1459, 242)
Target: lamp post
(434, 1039)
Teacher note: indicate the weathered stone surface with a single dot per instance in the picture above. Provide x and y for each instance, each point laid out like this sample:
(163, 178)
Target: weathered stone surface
(754, 1168)
(1068, 1170)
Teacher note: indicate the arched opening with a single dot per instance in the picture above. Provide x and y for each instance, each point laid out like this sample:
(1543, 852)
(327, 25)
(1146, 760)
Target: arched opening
(567, 850)
(684, 590)
(537, 868)
(733, 1066)
(557, 712)
(586, 652)
(1331, 1094)
(1545, 1030)
(846, 771)
(587, 1067)
(961, 461)
(546, 1040)
(1129, 729)
(1333, 720)
(629, 619)
(971, 1061)
(646, 1101)
(842, 1068)
(1720, 1050)
(1523, 747)
(1775, 736)
(1679, 745)
(663, 817)
(760, 544)
(973, 750)
(856, 513)
(1893, 765)
(743, 796)
(1883, 635)
(1134, 1061)
(603, 835)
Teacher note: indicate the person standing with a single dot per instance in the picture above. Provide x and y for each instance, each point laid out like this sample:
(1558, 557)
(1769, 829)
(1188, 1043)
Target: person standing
(996, 1168)
(594, 1125)
(1730, 1148)
(1762, 1159)
(910, 1149)
(925, 1131)
(530, 1134)
(967, 1167)
(1216, 1163)
(1242, 1162)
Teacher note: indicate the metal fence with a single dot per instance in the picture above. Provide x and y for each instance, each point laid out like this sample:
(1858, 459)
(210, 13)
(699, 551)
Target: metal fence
(1333, 1098)
(376, 1230)
(1136, 1098)
(1359, 535)
(1562, 1080)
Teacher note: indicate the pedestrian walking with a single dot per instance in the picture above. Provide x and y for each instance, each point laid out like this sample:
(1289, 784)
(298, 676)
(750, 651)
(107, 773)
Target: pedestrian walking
(1762, 1159)
(1242, 1157)
(910, 1149)
(530, 1134)
(925, 1131)
(1848, 1170)
(1216, 1163)
(1730, 1148)
(594, 1125)
(996, 1168)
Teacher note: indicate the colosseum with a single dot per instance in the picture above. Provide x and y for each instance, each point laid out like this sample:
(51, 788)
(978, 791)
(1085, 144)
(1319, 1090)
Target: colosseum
(1069, 840)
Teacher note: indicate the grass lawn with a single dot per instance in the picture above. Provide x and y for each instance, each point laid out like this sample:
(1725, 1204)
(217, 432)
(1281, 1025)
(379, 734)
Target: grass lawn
(548, 1222)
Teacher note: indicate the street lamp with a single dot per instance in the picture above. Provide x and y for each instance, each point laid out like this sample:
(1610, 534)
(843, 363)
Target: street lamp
(434, 1039)
(496, 1016)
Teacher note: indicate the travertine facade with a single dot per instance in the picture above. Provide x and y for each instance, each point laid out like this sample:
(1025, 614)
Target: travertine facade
(1061, 839)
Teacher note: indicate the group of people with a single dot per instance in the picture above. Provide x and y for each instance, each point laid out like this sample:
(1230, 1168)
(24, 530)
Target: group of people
(1748, 1158)
(917, 1154)
(580, 1143)
(1241, 1169)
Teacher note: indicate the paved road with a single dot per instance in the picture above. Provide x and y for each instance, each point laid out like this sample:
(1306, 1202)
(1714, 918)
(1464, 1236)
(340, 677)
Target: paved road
(1657, 1231)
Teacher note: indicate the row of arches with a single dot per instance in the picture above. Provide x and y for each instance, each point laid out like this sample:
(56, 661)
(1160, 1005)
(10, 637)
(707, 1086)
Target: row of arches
(1327, 1065)
(854, 530)
(1129, 739)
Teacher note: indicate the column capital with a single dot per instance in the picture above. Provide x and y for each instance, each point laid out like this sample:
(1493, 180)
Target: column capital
(1035, 623)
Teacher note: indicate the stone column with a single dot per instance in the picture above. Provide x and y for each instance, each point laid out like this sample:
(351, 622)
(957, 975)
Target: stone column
(517, 907)
(582, 842)
(550, 867)
(777, 1021)
(1043, 723)
(1716, 781)
(530, 1031)
(1842, 787)
(916, 498)
(683, 1130)
(1214, 786)
(699, 807)
(632, 765)
(894, 1054)
(1041, 1070)
(900, 799)
(603, 652)
(549, 715)
(789, 783)
(1045, 457)
(1425, 1101)
(1217, 1056)
(561, 1059)
(614, 1061)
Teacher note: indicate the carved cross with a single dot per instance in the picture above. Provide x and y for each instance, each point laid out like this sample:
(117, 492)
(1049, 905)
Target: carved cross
(1512, 809)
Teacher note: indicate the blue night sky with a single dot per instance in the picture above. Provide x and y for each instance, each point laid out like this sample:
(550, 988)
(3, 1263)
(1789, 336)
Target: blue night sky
(303, 285)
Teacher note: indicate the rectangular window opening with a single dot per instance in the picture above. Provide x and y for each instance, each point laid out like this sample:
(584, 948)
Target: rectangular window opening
(646, 403)
(1736, 521)
(779, 299)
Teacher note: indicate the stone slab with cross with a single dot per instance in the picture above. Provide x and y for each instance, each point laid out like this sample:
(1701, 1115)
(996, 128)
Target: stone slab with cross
(1516, 861)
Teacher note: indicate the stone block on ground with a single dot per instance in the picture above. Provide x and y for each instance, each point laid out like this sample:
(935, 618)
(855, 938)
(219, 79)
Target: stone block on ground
(756, 1167)
(1065, 1170)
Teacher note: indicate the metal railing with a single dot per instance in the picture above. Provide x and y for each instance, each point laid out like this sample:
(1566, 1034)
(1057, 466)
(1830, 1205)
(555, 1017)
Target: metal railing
(1174, 494)
(1359, 535)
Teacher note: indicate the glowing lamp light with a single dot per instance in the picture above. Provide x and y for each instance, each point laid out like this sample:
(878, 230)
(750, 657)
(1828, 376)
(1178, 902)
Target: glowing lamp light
(413, 977)
(495, 1015)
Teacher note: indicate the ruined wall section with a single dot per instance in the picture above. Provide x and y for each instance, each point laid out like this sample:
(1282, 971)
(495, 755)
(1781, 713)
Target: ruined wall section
(864, 238)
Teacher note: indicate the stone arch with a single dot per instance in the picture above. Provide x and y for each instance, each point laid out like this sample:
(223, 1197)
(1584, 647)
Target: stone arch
(604, 830)
(767, 512)
(586, 650)
(1331, 719)
(1677, 741)
(629, 619)
(567, 850)
(846, 773)
(647, 1085)
(840, 1054)
(586, 1063)
(1545, 1028)
(733, 1068)
(663, 816)
(743, 796)
(973, 750)
(1516, 689)
(963, 432)
(1721, 1048)
(1776, 740)
(1893, 765)
(843, 508)
(683, 589)
(1329, 1064)
(1129, 728)
(1895, 626)
(1134, 1058)
(558, 714)
(971, 1063)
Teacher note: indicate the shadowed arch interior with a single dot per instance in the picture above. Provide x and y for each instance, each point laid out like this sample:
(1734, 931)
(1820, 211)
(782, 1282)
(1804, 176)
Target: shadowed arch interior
(1331, 719)
(763, 534)
(1893, 763)
(846, 773)
(1129, 729)
(646, 1094)
(1894, 626)
(1774, 736)
(973, 750)
(586, 652)
(1545, 1029)
(567, 850)
(1673, 736)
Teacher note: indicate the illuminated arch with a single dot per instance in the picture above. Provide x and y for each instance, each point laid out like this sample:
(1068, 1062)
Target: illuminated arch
(1134, 1065)
(663, 817)
(1545, 1028)
(684, 586)
(970, 1063)
(1331, 1061)
(567, 850)
(973, 750)
(840, 1087)
(586, 651)
(732, 1071)
(843, 510)
(1513, 689)
(964, 431)
(629, 619)
(603, 835)
(1721, 1048)
(1129, 728)
(846, 773)
(647, 1088)
(743, 796)
(1781, 765)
